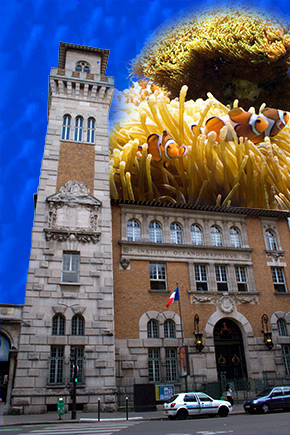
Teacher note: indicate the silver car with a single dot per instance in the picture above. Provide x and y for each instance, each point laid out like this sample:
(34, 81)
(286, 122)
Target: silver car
(184, 404)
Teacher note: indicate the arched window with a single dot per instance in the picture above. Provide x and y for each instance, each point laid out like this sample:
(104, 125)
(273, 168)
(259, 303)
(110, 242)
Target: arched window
(65, 132)
(235, 237)
(155, 232)
(58, 325)
(271, 240)
(152, 329)
(91, 130)
(176, 233)
(77, 325)
(282, 327)
(169, 329)
(133, 231)
(82, 65)
(78, 128)
(196, 235)
(216, 236)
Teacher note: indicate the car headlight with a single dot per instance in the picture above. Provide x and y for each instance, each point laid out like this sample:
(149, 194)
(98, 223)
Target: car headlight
(255, 402)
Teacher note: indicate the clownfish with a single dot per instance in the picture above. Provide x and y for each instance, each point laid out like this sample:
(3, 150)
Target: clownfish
(277, 119)
(255, 127)
(163, 147)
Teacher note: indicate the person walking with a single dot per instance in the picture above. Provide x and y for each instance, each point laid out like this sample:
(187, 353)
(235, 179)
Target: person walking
(229, 394)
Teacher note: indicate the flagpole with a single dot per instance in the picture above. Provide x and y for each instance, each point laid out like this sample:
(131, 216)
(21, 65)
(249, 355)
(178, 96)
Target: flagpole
(182, 335)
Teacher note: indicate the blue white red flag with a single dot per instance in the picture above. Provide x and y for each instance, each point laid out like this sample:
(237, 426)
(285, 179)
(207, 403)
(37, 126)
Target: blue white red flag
(173, 297)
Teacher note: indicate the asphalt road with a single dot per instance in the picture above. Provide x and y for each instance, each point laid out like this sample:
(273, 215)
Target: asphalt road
(242, 424)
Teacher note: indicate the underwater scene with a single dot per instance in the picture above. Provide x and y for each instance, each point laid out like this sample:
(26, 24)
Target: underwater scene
(206, 117)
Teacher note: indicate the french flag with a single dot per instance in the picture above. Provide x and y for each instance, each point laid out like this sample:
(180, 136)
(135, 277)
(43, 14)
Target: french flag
(173, 297)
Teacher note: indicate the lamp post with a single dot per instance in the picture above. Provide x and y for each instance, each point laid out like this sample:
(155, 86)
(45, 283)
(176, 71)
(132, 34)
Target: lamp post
(198, 334)
(266, 332)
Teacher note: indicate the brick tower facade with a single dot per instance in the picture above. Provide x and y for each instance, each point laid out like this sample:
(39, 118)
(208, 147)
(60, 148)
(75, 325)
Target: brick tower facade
(69, 293)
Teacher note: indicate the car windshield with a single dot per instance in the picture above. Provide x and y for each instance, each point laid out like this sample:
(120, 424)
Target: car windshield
(172, 398)
(265, 392)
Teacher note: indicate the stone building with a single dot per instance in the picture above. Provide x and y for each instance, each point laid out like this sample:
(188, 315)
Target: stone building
(101, 272)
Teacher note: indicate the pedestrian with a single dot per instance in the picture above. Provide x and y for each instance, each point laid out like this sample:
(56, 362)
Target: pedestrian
(229, 394)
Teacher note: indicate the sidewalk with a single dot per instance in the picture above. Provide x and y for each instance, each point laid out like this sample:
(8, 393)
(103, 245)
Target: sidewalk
(52, 417)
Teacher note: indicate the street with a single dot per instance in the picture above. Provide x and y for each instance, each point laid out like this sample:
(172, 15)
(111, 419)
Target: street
(241, 424)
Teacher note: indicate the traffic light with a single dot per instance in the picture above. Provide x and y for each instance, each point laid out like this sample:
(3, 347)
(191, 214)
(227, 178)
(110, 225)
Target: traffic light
(75, 368)
(72, 353)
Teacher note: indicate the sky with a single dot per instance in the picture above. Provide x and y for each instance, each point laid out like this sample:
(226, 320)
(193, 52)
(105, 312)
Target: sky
(30, 34)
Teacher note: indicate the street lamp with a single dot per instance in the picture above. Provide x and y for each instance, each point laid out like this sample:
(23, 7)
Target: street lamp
(198, 334)
(267, 333)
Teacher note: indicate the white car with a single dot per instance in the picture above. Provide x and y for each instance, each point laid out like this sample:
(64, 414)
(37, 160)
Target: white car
(184, 404)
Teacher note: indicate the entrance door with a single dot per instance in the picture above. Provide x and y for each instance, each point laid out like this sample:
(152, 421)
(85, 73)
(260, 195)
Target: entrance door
(229, 350)
(4, 366)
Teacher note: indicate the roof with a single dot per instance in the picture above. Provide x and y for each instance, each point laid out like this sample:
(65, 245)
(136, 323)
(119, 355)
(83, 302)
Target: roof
(258, 212)
(64, 47)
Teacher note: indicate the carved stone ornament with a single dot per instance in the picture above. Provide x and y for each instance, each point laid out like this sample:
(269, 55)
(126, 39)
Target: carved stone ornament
(77, 309)
(225, 302)
(275, 254)
(125, 263)
(73, 214)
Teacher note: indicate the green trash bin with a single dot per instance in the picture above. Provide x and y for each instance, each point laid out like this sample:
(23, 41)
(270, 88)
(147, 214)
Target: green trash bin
(60, 407)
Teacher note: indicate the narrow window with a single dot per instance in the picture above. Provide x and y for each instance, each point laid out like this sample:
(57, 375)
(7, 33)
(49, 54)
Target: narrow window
(154, 365)
(77, 325)
(70, 267)
(271, 241)
(282, 328)
(78, 128)
(200, 277)
(133, 231)
(241, 278)
(176, 234)
(80, 365)
(196, 235)
(169, 329)
(216, 236)
(286, 357)
(171, 365)
(152, 329)
(278, 279)
(91, 130)
(221, 278)
(65, 132)
(155, 232)
(157, 276)
(56, 364)
(58, 325)
(235, 238)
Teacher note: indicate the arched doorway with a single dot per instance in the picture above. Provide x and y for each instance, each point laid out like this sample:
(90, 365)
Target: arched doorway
(4, 365)
(229, 350)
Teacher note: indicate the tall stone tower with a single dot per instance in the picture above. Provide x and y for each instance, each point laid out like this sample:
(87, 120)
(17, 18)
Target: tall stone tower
(69, 293)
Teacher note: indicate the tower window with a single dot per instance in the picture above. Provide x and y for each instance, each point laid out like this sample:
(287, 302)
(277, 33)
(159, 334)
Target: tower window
(133, 231)
(77, 325)
(91, 130)
(196, 235)
(176, 234)
(155, 232)
(235, 238)
(78, 128)
(216, 236)
(65, 132)
(82, 65)
(271, 240)
(58, 325)
(70, 267)
(278, 279)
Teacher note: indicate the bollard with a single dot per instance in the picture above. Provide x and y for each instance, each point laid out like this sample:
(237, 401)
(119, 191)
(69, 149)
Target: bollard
(99, 409)
(127, 418)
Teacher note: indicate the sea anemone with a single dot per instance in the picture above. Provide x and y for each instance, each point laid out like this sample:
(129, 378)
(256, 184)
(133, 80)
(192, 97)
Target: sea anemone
(232, 53)
(212, 172)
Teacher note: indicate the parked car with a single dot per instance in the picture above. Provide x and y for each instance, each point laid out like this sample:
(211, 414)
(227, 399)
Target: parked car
(184, 404)
(269, 400)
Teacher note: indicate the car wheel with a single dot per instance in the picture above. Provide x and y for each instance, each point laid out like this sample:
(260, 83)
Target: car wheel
(172, 417)
(182, 414)
(223, 411)
(265, 408)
